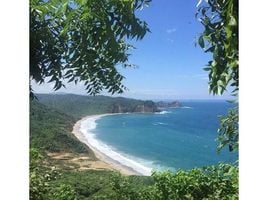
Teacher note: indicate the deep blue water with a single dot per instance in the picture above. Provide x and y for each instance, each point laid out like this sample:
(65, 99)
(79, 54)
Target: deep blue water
(179, 138)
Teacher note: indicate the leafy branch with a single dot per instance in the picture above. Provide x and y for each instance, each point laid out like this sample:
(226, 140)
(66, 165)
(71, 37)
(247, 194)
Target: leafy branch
(83, 41)
(220, 38)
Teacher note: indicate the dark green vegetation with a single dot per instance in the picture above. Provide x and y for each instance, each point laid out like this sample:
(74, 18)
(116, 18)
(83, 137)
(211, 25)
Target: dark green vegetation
(51, 132)
(83, 41)
(228, 131)
(216, 182)
(220, 37)
(53, 116)
(79, 106)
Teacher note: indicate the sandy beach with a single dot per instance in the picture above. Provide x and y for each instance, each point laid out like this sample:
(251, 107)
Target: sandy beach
(103, 162)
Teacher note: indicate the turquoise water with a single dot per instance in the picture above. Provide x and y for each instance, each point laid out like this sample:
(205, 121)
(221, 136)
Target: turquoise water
(175, 138)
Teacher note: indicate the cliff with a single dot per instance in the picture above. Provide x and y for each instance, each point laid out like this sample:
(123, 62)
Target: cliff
(166, 104)
(134, 106)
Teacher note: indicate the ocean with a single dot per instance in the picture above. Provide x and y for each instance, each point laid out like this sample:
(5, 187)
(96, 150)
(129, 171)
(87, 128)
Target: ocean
(175, 138)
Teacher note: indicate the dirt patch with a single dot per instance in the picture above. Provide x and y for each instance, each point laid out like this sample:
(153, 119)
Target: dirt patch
(71, 161)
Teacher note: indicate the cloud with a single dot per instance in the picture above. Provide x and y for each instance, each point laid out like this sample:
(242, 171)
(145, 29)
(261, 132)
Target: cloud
(170, 40)
(172, 30)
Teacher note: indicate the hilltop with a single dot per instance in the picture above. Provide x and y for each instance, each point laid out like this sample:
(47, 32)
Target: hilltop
(79, 106)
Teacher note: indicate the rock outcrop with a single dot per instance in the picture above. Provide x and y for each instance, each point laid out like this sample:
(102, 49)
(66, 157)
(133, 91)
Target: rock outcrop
(166, 104)
(139, 106)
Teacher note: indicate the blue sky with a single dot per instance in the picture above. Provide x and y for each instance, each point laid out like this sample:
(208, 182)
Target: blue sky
(169, 64)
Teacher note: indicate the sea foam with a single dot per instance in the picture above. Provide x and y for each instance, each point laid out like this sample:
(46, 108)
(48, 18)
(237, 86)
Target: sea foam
(187, 107)
(159, 123)
(132, 162)
(163, 112)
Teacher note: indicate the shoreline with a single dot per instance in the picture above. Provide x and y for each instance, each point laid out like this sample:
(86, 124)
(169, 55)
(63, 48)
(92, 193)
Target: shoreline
(105, 160)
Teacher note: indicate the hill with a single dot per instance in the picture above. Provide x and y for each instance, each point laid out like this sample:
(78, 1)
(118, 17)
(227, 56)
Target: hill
(50, 130)
(79, 106)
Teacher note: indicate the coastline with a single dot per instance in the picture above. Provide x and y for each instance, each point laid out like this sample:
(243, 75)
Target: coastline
(104, 161)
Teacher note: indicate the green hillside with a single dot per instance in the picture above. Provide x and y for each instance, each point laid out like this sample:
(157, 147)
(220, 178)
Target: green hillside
(79, 106)
(50, 130)
(52, 118)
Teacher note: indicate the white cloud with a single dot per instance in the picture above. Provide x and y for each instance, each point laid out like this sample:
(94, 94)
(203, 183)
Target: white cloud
(172, 30)
(170, 40)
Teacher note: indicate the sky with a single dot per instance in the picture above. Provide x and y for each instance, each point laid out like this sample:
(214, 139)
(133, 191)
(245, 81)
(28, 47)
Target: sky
(169, 64)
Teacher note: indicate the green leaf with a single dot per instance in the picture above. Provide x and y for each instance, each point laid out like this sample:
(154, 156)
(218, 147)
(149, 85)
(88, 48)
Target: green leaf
(207, 68)
(201, 42)
(232, 21)
(210, 49)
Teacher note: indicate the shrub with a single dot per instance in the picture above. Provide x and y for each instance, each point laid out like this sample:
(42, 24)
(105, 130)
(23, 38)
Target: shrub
(215, 182)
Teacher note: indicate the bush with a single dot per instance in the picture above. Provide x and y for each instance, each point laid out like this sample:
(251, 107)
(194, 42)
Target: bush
(62, 192)
(218, 182)
(40, 177)
(215, 182)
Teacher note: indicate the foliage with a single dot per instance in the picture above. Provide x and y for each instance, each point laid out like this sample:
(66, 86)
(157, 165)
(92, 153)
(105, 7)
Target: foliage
(50, 130)
(79, 106)
(132, 188)
(123, 189)
(228, 131)
(41, 179)
(220, 37)
(83, 41)
(38, 183)
(62, 192)
(88, 184)
(35, 157)
(215, 182)
(39, 176)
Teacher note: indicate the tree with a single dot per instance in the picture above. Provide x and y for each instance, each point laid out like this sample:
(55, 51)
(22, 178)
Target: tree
(220, 37)
(83, 41)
